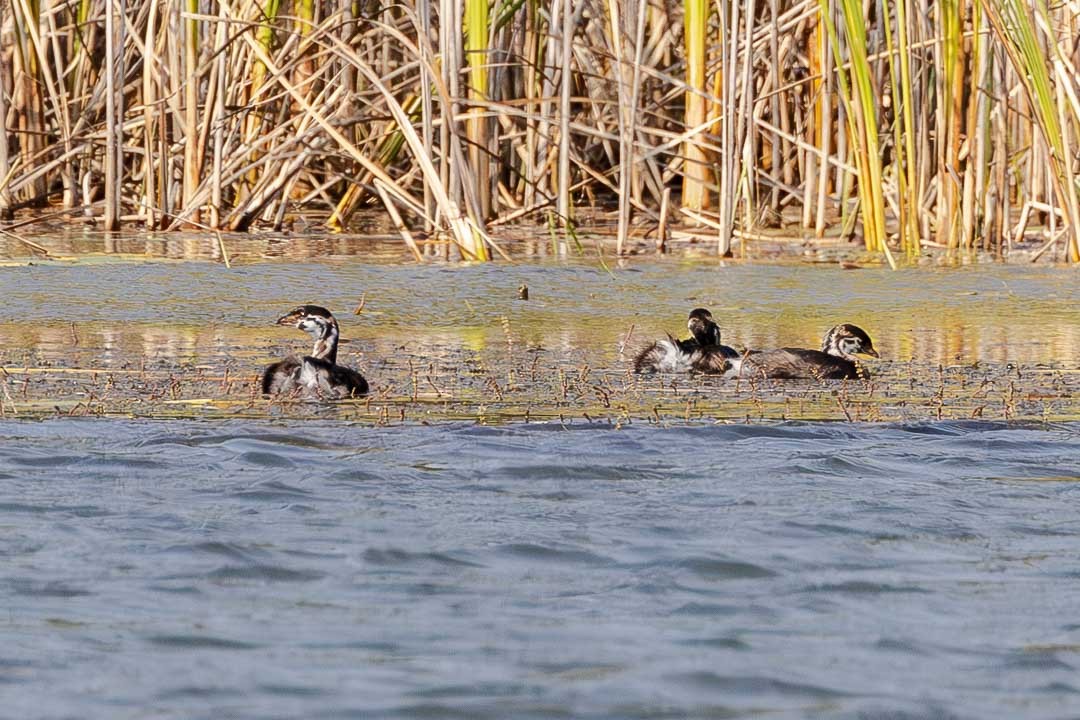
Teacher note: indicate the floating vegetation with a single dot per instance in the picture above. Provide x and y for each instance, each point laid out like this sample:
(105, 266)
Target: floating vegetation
(957, 128)
(439, 343)
(531, 385)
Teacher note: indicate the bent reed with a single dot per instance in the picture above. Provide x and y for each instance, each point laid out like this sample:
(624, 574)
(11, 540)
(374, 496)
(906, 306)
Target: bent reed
(952, 124)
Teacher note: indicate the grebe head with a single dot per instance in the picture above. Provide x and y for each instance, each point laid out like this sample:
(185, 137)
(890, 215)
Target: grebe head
(848, 340)
(319, 324)
(702, 326)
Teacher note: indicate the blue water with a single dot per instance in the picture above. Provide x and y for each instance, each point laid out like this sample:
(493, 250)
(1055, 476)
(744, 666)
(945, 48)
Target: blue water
(322, 570)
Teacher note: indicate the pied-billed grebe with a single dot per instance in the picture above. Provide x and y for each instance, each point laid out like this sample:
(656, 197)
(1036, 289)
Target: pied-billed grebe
(835, 361)
(318, 374)
(702, 352)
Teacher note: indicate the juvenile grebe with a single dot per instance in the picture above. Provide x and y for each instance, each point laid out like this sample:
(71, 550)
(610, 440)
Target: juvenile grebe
(836, 360)
(317, 374)
(701, 352)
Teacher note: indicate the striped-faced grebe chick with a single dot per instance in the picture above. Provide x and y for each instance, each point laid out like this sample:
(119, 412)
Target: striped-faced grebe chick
(835, 361)
(701, 352)
(316, 375)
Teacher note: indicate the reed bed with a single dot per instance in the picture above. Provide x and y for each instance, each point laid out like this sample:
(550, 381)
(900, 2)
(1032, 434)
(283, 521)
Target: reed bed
(908, 124)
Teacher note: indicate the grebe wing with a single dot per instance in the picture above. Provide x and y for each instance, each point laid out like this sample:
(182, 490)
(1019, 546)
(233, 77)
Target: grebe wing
(796, 363)
(730, 352)
(663, 356)
(282, 376)
(711, 361)
(327, 379)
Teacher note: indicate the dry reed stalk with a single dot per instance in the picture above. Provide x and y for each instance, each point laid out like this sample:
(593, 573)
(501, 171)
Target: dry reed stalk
(565, 85)
(730, 154)
(777, 150)
(192, 156)
(427, 106)
(218, 120)
(26, 99)
(904, 130)
(450, 71)
(5, 166)
(626, 108)
(548, 104)
(151, 202)
(114, 110)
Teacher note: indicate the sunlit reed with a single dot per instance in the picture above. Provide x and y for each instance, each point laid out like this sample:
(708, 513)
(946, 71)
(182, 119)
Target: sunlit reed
(957, 127)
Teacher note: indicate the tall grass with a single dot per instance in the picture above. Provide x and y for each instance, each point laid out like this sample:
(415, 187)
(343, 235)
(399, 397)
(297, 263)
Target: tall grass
(908, 124)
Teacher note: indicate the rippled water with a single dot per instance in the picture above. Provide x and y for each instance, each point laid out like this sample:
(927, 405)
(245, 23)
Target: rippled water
(259, 570)
(623, 563)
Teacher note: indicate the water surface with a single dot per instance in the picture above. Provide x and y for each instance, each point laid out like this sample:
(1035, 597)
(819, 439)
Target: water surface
(450, 341)
(433, 551)
(256, 569)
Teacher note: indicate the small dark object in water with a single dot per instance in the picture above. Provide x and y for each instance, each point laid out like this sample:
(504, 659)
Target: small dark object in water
(836, 360)
(523, 292)
(317, 375)
(702, 352)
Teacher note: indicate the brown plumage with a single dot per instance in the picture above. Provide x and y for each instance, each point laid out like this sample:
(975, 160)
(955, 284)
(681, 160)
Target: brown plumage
(702, 352)
(835, 361)
(316, 375)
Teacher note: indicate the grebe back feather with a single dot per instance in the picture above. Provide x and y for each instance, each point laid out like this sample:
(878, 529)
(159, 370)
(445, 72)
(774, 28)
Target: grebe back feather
(701, 352)
(317, 374)
(835, 361)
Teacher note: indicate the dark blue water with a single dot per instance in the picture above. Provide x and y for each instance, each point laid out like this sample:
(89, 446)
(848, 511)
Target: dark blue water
(256, 570)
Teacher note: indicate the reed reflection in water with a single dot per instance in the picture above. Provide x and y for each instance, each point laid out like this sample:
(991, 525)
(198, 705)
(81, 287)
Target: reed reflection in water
(101, 345)
(461, 324)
